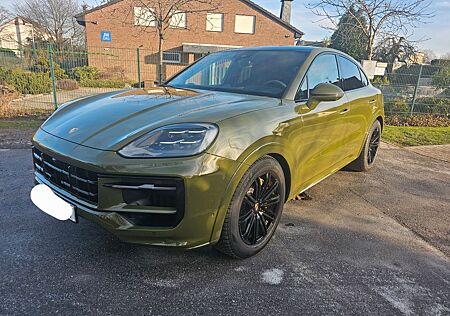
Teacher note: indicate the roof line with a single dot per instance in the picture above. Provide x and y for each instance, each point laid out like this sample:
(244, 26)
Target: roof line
(107, 4)
(19, 17)
(273, 16)
(249, 2)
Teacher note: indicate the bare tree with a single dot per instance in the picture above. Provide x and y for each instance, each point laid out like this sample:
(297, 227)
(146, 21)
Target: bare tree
(55, 19)
(393, 48)
(380, 16)
(160, 15)
(5, 16)
(446, 56)
(429, 55)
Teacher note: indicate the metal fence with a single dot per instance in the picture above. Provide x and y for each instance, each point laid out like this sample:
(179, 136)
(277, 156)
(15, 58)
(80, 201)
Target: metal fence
(416, 89)
(46, 77)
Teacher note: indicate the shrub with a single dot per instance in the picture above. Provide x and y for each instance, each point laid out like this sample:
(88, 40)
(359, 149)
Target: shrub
(67, 84)
(92, 77)
(86, 73)
(26, 82)
(7, 110)
(42, 64)
(103, 83)
(396, 105)
(381, 80)
(422, 120)
(434, 105)
(441, 78)
(113, 73)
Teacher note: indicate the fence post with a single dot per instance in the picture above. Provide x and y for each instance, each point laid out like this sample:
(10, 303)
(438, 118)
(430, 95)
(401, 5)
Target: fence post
(139, 67)
(416, 89)
(52, 75)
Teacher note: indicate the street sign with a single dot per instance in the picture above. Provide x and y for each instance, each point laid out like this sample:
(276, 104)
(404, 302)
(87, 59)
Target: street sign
(106, 36)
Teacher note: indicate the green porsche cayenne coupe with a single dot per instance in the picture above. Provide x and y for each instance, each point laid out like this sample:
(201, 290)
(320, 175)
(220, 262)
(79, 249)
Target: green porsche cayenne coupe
(211, 156)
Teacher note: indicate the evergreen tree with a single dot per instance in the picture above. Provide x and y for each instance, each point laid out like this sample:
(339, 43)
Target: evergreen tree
(349, 36)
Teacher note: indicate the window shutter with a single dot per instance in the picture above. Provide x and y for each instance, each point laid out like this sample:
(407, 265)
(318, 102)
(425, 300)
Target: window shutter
(245, 24)
(214, 22)
(144, 16)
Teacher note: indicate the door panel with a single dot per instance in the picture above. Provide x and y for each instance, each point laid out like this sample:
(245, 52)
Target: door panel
(358, 118)
(359, 97)
(321, 138)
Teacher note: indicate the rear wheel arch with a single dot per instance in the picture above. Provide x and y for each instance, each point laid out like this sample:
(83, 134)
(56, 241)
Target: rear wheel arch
(380, 119)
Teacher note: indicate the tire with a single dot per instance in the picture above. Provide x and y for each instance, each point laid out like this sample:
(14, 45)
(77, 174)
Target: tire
(368, 154)
(243, 231)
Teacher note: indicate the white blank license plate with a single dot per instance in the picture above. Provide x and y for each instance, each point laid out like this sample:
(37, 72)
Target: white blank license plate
(46, 200)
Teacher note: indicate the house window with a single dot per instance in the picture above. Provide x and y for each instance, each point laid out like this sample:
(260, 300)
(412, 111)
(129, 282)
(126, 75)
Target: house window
(172, 58)
(144, 16)
(245, 24)
(214, 22)
(178, 20)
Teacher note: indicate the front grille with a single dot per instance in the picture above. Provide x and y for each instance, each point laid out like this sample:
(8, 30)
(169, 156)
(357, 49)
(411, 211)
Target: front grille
(79, 182)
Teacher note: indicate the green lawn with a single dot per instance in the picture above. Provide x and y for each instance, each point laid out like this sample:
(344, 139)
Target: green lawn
(20, 124)
(416, 136)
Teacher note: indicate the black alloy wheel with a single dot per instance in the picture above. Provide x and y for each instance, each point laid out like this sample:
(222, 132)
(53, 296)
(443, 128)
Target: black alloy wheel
(259, 209)
(373, 145)
(254, 210)
(369, 152)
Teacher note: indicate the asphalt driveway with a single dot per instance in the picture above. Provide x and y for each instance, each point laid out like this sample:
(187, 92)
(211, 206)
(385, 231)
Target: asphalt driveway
(375, 243)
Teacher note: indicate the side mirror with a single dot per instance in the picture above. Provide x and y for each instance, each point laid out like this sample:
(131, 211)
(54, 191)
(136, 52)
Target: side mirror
(324, 92)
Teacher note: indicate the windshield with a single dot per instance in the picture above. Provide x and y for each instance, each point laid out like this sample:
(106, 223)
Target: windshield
(264, 72)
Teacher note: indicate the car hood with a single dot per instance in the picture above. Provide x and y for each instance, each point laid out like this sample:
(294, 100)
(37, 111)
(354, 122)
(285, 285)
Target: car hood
(110, 121)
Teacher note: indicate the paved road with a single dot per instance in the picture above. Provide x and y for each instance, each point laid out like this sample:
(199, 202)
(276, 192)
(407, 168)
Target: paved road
(364, 244)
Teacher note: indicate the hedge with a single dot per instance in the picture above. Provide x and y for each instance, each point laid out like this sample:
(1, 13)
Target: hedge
(85, 73)
(102, 83)
(42, 64)
(434, 105)
(26, 82)
(67, 84)
(92, 77)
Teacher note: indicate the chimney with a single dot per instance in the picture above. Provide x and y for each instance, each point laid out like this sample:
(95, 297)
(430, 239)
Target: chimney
(286, 8)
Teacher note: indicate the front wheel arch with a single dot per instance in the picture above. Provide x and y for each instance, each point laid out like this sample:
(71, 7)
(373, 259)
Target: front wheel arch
(233, 241)
(286, 170)
(273, 150)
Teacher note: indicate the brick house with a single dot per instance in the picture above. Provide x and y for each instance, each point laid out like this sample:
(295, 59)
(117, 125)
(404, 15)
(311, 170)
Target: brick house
(116, 29)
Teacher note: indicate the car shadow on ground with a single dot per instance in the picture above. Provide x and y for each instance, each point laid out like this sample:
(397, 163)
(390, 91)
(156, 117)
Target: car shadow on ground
(336, 253)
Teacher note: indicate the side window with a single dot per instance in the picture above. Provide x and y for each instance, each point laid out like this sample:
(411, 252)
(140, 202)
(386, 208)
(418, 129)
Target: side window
(364, 78)
(323, 70)
(302, 93)
(350, 75)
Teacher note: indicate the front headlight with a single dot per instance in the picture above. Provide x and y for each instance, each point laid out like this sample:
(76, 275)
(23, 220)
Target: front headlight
(178, 140)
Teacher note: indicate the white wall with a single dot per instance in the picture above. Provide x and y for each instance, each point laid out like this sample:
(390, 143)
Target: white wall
(13, 34)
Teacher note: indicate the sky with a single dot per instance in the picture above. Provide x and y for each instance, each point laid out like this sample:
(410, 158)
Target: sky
(437, 31)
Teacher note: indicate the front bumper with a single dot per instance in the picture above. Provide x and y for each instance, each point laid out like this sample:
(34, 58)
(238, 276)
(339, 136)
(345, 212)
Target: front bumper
(202, 185)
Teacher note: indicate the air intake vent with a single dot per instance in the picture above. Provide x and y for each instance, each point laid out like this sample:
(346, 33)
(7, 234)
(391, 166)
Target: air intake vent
(77, 181)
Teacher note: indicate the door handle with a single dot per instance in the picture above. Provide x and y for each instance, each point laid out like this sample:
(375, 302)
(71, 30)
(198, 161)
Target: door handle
(372, 101)
(344, 111)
